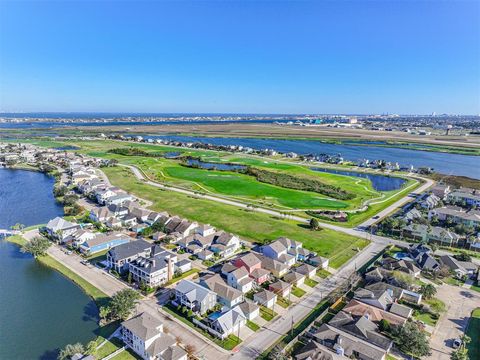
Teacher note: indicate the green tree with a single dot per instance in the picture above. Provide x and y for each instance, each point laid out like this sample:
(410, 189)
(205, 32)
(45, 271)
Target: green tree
(71, 349)
(91, 348)
(428, 291)
(104, 312)
(123, 303)
(314, 224)
(412, 340)
(17, 226)
(38, 246)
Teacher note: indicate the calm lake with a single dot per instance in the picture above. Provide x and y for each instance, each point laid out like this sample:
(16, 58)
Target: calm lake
(450, 164)
(40, 310)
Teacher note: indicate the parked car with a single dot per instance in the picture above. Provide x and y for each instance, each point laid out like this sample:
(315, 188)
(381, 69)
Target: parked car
(457, 343)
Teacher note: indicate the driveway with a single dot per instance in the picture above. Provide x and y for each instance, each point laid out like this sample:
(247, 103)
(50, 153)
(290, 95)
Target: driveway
(460, 302)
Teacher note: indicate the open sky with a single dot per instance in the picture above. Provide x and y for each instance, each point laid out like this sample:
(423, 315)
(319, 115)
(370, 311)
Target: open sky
(243, 57)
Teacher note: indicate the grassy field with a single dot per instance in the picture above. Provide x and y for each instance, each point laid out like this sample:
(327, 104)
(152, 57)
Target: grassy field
(473, 331)
(253, 226)
(232, 184)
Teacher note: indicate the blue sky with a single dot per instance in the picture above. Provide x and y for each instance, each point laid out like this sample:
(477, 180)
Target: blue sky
(242, 57)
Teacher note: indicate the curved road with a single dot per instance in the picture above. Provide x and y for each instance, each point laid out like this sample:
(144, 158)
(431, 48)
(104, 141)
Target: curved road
(273, 331)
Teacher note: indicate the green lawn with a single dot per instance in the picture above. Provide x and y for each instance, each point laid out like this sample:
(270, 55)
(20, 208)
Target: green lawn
(475, 288)
(252, 325)
(436, 305)
(127, 354)
(322, 273)
(311, 282)
(473, 331)
(183, 276)
(283, 302)
(425, 317)
(109, 348)
(298, 292)
(253, 226)
(267, 314)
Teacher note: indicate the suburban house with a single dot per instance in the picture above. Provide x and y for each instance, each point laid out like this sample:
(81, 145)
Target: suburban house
(362, 328)
(113, 223)
(441, 191)
(281, 288)
(117, 210)
(277, 268)
(119, 199)
(225, 244)
(260, 276)
(240, 280)
(230, 322)
(456, 215)
(59, 229)
(249, 261)
(431, 234)
(348, 345)
(461, 268)
(102, 195)
(194, 296)
(319, 262)
(144, 334)
(227, 295)
(469, 197)
(265, 298)
(278, 251)
(294, 278)
(406, 266)
(102, 242)
(375, 314)
(249, 309)
(315, 351)
(421, 254)
(100, 214)
(307, 270)
(120, 256)
(183, 266)
(155, 270)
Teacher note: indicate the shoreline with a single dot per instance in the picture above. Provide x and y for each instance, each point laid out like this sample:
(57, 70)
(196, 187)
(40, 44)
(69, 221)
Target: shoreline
(97, 296)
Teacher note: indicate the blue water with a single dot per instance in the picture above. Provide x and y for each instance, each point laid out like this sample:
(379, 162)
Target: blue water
(215, 315)
(26, 197)
(402, 256)
(215, 166)
(379, 182)
(40, 310)
(171, 154)
(449, 164)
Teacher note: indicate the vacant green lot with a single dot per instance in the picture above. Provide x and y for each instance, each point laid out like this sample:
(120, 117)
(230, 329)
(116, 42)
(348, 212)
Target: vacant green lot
(473, 331)
(252, 226)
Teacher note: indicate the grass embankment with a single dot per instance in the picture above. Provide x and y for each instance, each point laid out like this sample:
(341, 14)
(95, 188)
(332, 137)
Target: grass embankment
(473, 331)
(252, 226)
(96, 294)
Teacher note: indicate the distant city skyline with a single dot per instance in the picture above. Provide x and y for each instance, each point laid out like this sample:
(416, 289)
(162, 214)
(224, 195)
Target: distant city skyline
(286, 57)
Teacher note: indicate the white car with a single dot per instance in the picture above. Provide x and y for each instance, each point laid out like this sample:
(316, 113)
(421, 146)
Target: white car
(456, 343)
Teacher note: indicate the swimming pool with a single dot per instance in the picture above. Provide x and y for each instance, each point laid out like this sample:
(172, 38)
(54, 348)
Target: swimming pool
(402, 256)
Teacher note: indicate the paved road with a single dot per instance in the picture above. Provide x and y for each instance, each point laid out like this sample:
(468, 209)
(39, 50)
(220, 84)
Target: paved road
(110, 285)
(268, 335)
(460, 302)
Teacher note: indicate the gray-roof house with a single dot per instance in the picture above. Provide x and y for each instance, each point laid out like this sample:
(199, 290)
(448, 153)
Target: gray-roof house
(144, 334)
(120, 256)
(194, 296)
(461, 268)
(346, 344)
(226, 295)
(230, 322)
(59, 228)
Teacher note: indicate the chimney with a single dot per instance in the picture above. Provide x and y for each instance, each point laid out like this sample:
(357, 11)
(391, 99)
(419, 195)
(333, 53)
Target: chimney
(170, 265)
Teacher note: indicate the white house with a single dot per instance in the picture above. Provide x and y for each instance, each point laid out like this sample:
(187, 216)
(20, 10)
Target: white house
(144, 334)
(240, 279)
(60, 228)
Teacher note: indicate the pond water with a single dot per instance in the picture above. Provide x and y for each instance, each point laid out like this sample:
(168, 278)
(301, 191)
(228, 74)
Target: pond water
(215, 166)
(171, 154)
(40, 310)
(379, 182)
(450, 164)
